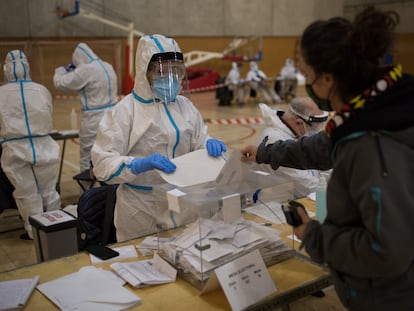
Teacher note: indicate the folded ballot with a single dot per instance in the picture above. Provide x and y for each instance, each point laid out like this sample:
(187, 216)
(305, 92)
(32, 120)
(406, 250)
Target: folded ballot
(145, 272)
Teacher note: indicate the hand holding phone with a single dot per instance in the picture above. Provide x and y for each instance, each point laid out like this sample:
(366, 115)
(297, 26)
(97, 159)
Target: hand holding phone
(101, 251)
(291, 213)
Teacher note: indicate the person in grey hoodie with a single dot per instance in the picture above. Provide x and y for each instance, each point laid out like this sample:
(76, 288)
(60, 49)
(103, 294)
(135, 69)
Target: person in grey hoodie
(366, 237)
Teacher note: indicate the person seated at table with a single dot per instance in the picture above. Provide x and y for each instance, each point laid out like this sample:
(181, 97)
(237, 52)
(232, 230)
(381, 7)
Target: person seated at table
(143, 132)
(302, 118)
(30, 156)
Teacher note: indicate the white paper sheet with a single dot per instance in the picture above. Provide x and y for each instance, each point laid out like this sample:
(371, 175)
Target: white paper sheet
(15, 293)
(194, 168)
(234, 170)
(146, 272)
(88, 289)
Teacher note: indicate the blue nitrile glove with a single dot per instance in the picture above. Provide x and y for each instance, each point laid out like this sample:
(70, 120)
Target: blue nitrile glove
(71, 66)
(215, 147)
(156, 160)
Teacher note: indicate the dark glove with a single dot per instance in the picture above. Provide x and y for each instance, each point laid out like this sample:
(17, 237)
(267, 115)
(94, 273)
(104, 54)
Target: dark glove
(215, 147)
(156, 160)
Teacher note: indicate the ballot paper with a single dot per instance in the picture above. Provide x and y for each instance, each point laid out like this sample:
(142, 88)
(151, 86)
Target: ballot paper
(234, 171)
(221, 243)
(89, 289)
(15, 293)
(194, 168)
(145, 272)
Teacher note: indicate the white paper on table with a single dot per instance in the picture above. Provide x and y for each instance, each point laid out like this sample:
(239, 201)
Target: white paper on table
(194, 168)
(146, 272)
(15, 293)
(272, 212)
(125, 252)
(312, 196)
(294, 238)
(88, 289)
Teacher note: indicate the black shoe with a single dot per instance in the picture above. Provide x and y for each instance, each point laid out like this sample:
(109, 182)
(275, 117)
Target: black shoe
(25, 236)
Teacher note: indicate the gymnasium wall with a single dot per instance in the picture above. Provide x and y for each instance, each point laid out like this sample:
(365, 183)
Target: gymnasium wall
(46, 55)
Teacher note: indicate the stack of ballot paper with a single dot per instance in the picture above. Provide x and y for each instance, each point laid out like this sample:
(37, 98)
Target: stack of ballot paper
(145, 272)
(90, 288)
(15, 293)
(207, 244)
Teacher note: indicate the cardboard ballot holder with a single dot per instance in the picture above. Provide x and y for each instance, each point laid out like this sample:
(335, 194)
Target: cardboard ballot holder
(54, 234)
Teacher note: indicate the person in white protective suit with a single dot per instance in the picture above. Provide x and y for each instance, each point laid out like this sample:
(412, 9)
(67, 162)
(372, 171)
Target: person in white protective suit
(303, 117)
(257, 82)
(96, 83)
(236, 84)
(30, 156)
(143, 132)
(289, 80)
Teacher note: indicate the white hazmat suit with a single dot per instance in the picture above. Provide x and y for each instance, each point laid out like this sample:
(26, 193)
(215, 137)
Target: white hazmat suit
(30, 156)
(235, 84)
(289, 81)
(96, 83)
(257, 80)
(140, 126)
(304, 181)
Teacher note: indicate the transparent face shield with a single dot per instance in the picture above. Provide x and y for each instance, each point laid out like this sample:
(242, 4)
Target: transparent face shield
(165, 73)
(314, 123)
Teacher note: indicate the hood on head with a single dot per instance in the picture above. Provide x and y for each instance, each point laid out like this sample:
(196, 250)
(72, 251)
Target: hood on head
(147, 47)
(16, 66)
(269, 115)
(83, 54)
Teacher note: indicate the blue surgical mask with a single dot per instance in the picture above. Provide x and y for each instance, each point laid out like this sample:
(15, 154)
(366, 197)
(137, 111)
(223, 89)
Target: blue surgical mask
(166, 89)
(323, 104)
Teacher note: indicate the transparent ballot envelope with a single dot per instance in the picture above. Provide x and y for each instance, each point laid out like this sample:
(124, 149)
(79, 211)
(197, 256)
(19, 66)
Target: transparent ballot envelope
(213, 226)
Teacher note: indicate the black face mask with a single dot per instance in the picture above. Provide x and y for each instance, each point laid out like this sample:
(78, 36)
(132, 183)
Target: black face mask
(323, 104)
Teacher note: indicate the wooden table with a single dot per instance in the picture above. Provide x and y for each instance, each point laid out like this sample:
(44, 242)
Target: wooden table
(295, 278)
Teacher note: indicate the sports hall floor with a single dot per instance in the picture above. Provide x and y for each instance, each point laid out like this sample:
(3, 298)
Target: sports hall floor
(15, 253)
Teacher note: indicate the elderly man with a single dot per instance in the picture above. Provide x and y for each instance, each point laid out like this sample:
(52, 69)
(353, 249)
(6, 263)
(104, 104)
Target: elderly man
(302, 118)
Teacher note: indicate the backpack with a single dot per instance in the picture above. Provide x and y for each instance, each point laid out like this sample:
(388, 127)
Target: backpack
(95, 223)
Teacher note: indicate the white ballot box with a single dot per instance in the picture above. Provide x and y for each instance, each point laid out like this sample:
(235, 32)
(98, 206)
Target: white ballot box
(54, 234)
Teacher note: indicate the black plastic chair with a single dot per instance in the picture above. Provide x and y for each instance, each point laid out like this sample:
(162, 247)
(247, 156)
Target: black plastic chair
(87, 178)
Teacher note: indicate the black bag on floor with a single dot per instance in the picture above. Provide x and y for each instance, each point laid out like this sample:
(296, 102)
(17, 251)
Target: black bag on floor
(96, 216)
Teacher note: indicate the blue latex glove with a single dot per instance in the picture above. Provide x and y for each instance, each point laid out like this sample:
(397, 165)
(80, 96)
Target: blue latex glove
(215, 147)
(70, 67)
(156, 160)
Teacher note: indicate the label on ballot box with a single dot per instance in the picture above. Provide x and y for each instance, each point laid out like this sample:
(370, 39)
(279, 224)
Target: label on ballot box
(54, 234)
(53, 220)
